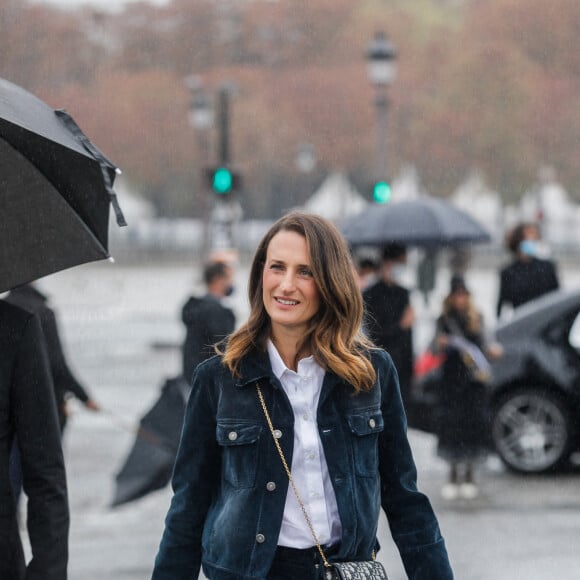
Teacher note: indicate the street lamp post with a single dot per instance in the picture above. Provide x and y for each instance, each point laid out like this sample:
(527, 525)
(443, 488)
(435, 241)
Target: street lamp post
(201, 119)
(381, 59)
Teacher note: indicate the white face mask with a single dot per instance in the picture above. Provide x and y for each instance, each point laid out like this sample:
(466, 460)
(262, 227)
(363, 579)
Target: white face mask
(398, 271)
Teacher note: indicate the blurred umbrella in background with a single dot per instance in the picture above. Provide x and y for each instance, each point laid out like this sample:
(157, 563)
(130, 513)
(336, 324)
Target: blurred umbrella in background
(149, 465)
(424, 221)
(56, 188)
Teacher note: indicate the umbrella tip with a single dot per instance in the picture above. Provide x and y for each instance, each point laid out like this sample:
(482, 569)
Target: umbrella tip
(118, 170)
(111, 259)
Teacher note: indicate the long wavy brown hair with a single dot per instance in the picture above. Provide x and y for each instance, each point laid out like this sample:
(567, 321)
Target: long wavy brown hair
(334, 335)
(471, 314)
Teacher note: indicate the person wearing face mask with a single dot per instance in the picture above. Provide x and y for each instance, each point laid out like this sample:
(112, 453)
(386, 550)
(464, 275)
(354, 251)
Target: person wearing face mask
(207, 320)
(528, 276)
(389, 315)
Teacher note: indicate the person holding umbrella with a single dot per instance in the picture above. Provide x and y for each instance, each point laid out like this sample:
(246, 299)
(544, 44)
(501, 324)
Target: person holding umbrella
(297, 395)
(390, 316)
(28, 415)
(65, 383)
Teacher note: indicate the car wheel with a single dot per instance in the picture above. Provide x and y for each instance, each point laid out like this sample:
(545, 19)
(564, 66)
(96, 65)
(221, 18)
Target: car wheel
(531, 430)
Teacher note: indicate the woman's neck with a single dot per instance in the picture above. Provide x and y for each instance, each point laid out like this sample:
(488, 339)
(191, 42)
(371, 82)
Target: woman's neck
(291, 349)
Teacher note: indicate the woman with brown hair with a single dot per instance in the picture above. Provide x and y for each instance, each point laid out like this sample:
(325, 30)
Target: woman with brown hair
(463, 408)
(298, 374)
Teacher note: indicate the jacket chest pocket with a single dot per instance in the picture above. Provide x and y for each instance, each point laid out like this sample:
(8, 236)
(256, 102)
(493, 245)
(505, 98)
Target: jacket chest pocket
(239, 448)
(365, 427)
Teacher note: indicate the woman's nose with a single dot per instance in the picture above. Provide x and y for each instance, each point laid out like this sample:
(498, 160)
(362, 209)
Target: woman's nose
(287, 283)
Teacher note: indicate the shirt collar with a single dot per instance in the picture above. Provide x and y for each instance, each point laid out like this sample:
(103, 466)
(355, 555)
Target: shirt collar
(306, 366)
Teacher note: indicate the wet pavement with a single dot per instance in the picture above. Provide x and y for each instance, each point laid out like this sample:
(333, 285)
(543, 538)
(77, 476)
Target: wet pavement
(119, 323)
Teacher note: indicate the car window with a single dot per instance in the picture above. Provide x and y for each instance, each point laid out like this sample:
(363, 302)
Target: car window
(574, 336)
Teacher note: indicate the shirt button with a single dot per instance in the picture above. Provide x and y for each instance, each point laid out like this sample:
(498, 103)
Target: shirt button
(232, 435)
(372, 423)
(270, 486)
(277, 433)
(311, 455)
(306, 416)
(260, 538)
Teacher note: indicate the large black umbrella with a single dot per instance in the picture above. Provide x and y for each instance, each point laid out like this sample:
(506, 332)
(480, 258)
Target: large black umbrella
(424, 221)
(149, 465)
(56, 188)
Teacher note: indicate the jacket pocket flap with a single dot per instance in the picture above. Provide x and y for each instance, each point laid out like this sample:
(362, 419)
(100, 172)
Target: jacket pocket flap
(237, 433)
(366, 423)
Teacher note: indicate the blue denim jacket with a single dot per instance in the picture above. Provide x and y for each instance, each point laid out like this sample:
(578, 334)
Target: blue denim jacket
(230, 486)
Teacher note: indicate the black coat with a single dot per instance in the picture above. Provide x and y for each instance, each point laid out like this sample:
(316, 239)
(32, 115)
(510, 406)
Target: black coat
(524, 280)
(207, 322)
(463, 412)
(384, 308)
(28, 412)
(29, 298)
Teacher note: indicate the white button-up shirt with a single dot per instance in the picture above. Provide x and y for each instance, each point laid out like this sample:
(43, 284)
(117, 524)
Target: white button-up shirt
(309, 468)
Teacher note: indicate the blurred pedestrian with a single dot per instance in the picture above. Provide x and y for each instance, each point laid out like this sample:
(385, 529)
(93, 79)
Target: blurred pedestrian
(463, 413)
(427, 273)
(389, 315)
(529, 275)
(66, 385)
(207, 321)
(28, 415)
(298, 372)
(367, 270)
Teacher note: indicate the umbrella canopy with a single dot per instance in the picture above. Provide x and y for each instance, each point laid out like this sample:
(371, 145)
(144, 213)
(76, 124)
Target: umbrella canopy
(424, 221)
(56, 188)
(149, 465)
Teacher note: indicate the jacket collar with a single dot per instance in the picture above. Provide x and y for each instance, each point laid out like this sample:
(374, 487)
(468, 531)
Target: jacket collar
(256, 366)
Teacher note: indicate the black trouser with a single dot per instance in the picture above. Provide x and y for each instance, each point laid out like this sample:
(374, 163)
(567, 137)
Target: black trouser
(294, 564)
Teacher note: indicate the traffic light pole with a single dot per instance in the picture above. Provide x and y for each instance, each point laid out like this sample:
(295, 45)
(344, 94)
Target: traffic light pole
(382, 105)
(226, 210)
(224, 126)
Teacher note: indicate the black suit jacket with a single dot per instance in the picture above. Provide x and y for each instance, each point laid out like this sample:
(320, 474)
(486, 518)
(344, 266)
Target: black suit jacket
(29, 298)
(28, 412)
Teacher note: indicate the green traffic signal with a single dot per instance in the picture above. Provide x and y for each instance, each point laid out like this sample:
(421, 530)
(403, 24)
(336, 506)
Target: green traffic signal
(382, 192)
(222, 180)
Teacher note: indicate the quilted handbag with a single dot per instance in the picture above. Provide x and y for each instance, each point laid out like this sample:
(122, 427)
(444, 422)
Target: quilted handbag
(371, 570)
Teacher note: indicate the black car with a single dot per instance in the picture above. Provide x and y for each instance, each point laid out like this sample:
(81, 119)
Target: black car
(534, 391)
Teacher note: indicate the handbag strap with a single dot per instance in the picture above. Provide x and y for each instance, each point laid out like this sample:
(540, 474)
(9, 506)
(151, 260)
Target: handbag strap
(291, 479)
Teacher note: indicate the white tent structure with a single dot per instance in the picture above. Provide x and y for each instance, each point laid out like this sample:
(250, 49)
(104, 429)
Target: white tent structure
(407, 185)
(474, 197)
(336, 198)
(549, 203)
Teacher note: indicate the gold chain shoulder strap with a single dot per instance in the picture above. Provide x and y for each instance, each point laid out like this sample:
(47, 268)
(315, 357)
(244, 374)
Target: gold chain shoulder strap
(289, 474)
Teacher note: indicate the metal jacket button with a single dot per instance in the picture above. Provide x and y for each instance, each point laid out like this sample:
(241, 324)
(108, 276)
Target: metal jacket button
(260, 538)
(372, 423)
(277, 433)
(270, 486)
(232, 435)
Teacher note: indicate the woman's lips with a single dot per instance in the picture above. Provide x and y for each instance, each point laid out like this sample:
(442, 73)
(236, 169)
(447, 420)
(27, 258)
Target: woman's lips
(286, 301)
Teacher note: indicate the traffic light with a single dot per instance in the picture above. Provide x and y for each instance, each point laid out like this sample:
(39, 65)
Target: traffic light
(223, 180)
(382, 192)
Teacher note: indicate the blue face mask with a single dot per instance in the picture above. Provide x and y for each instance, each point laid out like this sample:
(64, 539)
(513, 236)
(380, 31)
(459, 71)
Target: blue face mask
(529, 247)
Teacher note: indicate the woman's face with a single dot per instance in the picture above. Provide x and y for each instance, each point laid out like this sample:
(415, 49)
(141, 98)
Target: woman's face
(460, 299)
(290, 295)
